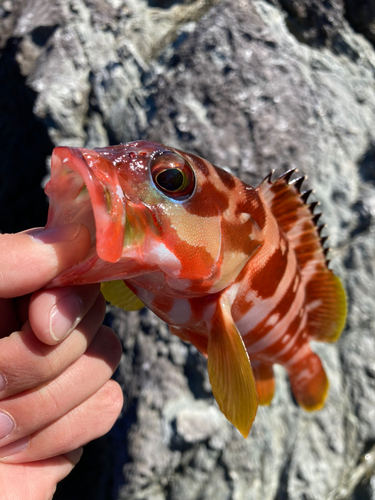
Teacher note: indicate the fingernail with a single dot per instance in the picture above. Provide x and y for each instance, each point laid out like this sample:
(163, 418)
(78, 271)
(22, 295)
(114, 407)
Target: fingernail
(74, 456)
(65, 316)
(13, 448)
(6, 425)
(55, 234)
(3, 382)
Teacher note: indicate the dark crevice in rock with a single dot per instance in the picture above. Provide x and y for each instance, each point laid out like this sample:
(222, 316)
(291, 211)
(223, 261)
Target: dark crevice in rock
(367, 164)
(24, 145)
(41, 34)
(362, 491)
(93, 476)
(194, 371)
(364, 219)
(313, 22)
(178, 443)
(361, 16)
(227, 474)
(119, 450)
(166, 4)
(282, 489)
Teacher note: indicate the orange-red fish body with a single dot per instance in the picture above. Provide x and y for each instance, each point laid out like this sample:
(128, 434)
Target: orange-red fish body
(237, 271)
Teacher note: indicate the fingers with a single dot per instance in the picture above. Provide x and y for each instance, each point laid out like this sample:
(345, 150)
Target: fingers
(77, 384)
(26, 362)
(15, 479)
(31, 259)
(54, 313)
(93, 418)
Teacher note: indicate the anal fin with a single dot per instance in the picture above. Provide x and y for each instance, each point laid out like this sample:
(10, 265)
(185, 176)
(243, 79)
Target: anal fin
(309, 381)
(230, 371)
(118, 294)
(265, 381)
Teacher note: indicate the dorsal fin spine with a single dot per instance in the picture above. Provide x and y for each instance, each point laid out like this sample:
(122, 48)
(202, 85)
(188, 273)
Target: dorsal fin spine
(287, 175)
(268, 178)
(312, 206)
(297, 183)
(305, 195)
(316, 218)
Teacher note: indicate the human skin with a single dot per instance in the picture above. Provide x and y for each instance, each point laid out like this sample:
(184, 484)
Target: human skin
(56, 360)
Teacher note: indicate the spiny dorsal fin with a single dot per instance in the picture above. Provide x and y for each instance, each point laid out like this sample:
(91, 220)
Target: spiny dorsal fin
(325, 296)
(118, 294)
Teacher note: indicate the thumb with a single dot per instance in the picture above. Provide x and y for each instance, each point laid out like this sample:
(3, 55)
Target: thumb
(29, 260)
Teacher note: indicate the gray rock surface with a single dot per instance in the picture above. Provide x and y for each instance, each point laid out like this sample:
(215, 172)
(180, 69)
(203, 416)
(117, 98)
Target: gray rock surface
(254, 86)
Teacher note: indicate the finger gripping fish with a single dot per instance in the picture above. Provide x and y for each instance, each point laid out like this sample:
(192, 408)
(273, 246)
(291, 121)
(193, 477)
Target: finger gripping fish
(238, 272)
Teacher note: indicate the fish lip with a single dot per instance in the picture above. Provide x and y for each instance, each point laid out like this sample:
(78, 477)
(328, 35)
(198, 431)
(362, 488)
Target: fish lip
(106, 196)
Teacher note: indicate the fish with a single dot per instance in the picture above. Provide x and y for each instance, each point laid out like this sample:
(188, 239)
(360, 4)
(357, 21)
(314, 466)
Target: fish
(239, 272)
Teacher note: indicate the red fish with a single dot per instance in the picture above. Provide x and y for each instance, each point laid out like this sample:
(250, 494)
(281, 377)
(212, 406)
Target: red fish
(239, 272)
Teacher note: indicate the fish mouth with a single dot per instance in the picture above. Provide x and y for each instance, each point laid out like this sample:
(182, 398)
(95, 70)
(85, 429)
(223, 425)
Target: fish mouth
(85, 188)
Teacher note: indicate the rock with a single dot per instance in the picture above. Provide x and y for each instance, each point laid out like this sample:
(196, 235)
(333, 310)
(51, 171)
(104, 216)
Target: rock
(252, 86)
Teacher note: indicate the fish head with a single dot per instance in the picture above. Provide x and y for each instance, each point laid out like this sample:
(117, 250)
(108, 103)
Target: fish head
(149, 208)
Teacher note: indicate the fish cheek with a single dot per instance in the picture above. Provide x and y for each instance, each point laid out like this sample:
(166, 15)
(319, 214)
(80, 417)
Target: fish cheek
(197, 263)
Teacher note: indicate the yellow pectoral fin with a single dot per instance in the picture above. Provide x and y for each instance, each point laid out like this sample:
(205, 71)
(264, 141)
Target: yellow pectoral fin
(118, 294)
(230, 371)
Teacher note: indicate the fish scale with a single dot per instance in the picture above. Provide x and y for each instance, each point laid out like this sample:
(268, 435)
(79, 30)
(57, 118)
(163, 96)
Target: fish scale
(239, 272)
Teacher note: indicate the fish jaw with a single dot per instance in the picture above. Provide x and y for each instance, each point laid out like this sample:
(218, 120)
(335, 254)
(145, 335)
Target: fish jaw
(84, 187)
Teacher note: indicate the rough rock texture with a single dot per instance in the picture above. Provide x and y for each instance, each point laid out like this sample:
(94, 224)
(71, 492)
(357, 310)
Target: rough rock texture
(252, 86)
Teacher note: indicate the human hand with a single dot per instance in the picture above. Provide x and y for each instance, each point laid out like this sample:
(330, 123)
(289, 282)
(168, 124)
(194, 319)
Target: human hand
(55, 392)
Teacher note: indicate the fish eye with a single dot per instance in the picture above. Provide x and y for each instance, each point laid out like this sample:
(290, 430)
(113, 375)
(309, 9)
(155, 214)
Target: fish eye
(172, 175)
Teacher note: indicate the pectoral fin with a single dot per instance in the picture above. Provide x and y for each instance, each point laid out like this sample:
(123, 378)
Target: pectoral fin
(118, 294)
(230, 371)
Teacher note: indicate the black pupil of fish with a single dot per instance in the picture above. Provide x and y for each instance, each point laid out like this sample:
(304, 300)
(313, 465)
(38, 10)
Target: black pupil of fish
(171, 179)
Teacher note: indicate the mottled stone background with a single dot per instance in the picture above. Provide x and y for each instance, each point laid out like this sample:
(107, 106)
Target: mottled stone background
(253, 85)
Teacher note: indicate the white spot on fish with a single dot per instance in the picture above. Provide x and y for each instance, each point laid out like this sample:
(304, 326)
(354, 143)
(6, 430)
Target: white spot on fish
(231, 292)
(181, 311)
(244, 218)
(164, 258)
(314, 304)
(119, 192)
(272, 320)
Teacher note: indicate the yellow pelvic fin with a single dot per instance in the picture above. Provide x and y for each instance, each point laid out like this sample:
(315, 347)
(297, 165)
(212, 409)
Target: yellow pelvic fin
(118, 294)
(230, 371)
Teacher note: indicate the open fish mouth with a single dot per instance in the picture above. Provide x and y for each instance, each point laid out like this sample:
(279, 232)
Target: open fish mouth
(85, 188)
